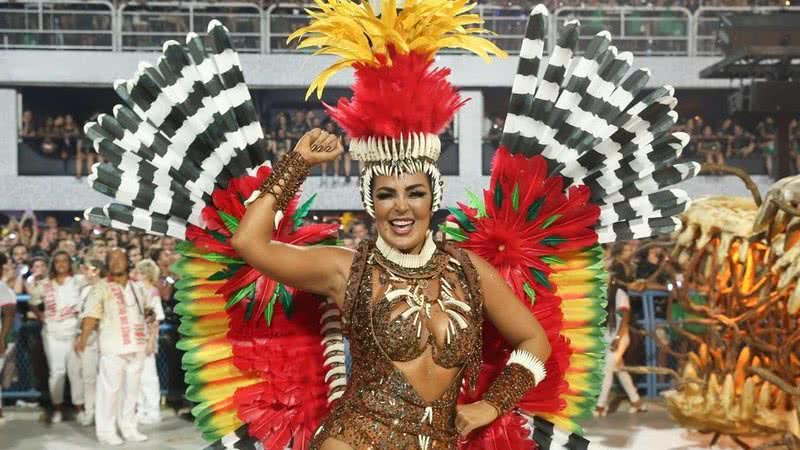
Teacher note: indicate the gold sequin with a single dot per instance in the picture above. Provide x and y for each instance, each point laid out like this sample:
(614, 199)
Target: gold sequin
(380, 408)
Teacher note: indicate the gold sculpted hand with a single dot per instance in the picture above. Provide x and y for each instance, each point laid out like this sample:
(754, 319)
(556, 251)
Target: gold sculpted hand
(318, 146)
(473, 416)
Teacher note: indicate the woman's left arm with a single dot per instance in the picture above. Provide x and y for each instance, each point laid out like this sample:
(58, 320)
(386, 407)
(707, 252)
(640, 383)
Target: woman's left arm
(521, 330)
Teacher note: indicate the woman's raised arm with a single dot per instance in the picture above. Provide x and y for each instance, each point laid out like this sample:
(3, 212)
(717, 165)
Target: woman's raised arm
(321, 270)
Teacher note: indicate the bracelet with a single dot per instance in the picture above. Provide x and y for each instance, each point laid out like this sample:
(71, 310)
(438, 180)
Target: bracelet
(522, 373)
(284, 180)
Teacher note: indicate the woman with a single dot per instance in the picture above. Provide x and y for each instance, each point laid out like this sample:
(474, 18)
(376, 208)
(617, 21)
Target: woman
(72, 137)
(148, 409)
(425, 368)
(621, 274)
(59, 293)
(84, 154)
(93, 272)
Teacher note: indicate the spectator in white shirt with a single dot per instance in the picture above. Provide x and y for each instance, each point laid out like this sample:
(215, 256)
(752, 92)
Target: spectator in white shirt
(119, 305)
(94, 271)
(148, 410)
(60, 294)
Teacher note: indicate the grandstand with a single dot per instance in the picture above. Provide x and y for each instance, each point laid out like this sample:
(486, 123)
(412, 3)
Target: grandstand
(59, 58)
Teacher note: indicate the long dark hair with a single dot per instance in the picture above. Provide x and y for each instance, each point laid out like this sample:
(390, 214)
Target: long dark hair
(52, 270)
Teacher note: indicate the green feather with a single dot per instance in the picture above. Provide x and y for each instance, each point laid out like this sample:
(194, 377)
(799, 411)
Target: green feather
(552, 241)
(550, 260)
(218, 236)
(462, 219)
(533, 210)
(455, 233)
(550, 220)
(476, 203)
(498, 195)
(189, 250)
(286, 301)
(529, 292)
(231, 223)
(224, 274)
(541, 278)
(251, 305)
(302, 212)
(246, 291)
(515, 197)
(269, 311)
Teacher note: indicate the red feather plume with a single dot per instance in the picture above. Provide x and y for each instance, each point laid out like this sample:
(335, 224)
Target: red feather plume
(408, 96)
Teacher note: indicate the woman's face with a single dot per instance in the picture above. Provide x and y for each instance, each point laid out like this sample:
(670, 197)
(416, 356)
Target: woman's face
(62, 264)
(627, 252)
(403, 210)
(135, 255)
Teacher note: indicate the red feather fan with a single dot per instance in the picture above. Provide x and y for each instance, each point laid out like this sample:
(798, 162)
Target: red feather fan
(529, 217)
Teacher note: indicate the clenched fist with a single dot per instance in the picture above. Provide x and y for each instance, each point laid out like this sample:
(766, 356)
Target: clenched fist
(318, 146)
(473, 416)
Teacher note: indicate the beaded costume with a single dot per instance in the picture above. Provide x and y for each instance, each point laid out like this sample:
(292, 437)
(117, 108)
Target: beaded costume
(586, 158)
(388, 316)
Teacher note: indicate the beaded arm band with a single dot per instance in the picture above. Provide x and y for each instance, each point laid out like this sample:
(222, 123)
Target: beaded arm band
(521, 374)
(284, 181)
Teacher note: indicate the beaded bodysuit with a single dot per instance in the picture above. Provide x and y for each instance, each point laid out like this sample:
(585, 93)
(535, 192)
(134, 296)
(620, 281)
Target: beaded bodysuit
(394, 315)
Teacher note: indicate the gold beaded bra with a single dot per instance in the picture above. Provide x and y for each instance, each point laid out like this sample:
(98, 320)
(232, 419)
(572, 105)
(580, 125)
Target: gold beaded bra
(426, 316)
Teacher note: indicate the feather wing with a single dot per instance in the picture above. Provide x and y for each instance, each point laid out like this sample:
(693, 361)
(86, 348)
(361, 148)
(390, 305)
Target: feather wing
(585, 159)
(184, 150)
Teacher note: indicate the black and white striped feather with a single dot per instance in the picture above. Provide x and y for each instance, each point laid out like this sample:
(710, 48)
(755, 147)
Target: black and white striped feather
(587, 116)
(549, 437)
(239, 439)
(187, 125)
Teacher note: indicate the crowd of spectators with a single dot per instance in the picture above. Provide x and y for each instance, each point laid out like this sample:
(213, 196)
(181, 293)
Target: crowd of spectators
(283, 128)
(733, 143)
(29, 242)
(61, 137)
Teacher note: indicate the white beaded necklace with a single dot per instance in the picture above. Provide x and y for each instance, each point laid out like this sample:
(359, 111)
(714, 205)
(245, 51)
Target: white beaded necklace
(408, 260)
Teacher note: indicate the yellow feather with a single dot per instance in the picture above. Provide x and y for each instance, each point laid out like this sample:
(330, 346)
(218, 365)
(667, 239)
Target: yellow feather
(356, 35)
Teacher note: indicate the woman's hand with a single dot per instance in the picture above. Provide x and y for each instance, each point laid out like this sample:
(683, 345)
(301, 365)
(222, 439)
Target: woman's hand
(318, 146)
(473, 416)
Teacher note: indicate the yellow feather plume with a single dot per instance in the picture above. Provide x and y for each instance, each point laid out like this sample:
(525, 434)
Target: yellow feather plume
(353, 32)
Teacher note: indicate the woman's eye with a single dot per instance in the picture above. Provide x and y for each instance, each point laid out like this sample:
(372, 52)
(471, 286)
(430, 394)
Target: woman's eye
(383, 196)
(417, 194)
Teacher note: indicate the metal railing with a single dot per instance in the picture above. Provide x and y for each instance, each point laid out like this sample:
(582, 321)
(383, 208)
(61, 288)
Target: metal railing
(98, 25)
(642, 31)
(147, 26)
(87, 25)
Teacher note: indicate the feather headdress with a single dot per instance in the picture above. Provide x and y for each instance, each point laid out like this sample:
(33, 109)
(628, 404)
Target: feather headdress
(400, 102)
